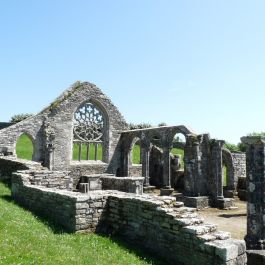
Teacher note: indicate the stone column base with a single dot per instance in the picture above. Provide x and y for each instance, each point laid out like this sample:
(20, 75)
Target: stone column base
(166, 191)
(200, 202)
(149, 189)
(225, 203)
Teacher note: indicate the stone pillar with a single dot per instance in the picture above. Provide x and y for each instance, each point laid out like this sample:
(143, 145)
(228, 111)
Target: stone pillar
(217, 168)
(255, 160)
(145, 164)
(166, 167)
(192, 161)
(127, 161)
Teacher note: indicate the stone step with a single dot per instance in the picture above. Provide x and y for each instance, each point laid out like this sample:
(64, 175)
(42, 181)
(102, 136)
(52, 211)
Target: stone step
(218, 235)
(188, 222)
(200, 229)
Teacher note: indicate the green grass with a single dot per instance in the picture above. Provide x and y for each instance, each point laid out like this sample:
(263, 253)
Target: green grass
(136, 159)
(225, 177)
(84, 152)
(26, 239)
(24, 147)
(177, 151)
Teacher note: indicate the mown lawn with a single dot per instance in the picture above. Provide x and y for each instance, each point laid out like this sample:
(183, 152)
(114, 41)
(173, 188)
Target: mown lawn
(84, 152)
(24, 149)
(26, 239)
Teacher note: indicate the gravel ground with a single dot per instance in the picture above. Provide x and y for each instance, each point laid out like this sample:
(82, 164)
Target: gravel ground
(233, 221)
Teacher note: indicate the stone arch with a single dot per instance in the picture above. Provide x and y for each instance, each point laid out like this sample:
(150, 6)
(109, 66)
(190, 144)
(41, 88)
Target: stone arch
(171, 132)
(230, 173)
(177, 161)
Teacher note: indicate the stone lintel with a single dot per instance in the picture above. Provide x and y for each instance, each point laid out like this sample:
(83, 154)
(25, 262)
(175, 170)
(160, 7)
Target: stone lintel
(252, 140)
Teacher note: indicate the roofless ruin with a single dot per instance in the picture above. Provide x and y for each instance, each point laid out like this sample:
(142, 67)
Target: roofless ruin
(100, 189)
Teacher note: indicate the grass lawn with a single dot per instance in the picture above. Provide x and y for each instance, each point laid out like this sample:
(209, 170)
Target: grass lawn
(24, 148)
(84, 152)
(26, 239)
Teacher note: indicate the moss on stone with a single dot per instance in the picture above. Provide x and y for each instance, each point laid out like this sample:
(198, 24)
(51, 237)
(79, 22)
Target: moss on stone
(77, 86)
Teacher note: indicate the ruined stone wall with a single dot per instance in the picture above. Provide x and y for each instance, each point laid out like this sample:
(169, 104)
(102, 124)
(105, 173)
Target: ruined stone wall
(176, 234)
(33, 128)
(125, 184)
(159, 224)
(8, 165)
(78, 169)
(51, 203)
(51, 179)
(61, 114)
(51, 131)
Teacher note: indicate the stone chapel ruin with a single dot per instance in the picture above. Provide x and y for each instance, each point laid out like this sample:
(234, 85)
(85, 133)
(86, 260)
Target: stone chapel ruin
(112, 195)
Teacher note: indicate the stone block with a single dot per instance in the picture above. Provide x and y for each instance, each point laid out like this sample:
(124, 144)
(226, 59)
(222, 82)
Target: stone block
(166, 192)
(200, 202)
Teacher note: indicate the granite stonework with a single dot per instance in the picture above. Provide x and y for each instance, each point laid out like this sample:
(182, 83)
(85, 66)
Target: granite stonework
(51, 130)
(255, 183)
(85, 194)
(53, 133)
(160, 224)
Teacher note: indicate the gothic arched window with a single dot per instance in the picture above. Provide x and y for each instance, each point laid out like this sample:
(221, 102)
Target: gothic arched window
(88, 132)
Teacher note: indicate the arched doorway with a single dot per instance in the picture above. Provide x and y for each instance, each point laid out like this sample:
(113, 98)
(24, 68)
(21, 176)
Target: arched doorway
(177, 161)
(25, 147)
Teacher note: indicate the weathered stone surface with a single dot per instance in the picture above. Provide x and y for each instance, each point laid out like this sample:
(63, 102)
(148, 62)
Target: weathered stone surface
(159, 224)
(255, 183)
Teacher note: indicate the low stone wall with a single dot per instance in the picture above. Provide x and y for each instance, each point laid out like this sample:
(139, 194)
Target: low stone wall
(175, 233)
(54, 204)
(10, 164)
(51, 179)
(159, 224)
(125, 184)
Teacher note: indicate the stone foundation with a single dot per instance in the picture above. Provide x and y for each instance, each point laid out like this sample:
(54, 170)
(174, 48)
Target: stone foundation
(159, 224)
(196, 202)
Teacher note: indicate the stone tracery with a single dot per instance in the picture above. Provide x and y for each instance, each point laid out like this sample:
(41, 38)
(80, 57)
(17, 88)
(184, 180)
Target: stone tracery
(88, 123)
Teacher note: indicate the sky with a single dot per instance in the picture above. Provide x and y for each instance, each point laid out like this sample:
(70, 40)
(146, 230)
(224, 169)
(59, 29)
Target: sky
(200, 63)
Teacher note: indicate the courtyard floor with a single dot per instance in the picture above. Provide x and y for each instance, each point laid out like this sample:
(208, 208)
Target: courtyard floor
(233, 221)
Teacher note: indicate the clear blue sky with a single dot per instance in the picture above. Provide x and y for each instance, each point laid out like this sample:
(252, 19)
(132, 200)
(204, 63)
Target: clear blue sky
(194, 62)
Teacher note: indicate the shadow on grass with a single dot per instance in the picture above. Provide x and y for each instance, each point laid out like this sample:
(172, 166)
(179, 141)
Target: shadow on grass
(141, 253)
(7, 198)
(138, 251)
(55, 227)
